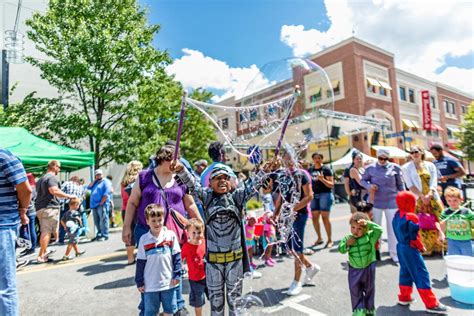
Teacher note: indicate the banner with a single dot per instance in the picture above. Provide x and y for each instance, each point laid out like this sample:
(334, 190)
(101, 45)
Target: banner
(425, 106)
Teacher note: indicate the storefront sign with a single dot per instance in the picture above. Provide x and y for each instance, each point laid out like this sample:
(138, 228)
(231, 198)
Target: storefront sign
(425, 105)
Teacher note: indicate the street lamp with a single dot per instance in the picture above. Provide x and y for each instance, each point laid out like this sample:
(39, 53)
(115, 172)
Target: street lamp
(12, 54)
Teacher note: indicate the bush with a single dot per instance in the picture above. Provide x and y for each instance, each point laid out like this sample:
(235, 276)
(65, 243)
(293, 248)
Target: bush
(254, 204)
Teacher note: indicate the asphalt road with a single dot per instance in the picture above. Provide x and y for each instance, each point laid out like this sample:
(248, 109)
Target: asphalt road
(101, 283)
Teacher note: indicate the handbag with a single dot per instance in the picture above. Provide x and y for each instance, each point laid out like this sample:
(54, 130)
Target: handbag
(427, 221)
(173, 219)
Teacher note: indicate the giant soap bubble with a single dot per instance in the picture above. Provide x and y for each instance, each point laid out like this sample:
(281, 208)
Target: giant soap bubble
(292, 89)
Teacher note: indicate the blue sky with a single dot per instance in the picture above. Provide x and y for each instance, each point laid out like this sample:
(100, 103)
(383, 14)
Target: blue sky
(240, 32)
(220, 45)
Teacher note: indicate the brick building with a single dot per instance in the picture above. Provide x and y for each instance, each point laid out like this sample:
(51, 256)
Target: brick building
(365, 81)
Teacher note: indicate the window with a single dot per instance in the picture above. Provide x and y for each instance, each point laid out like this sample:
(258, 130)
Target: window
(243, 117)
(432, 102)
(253, 115)
(403, 93)
(450, 107)
(453, 108)
(432, 133)
(225, 123)
(463, 109)
(411, 95)
(315, 97)
(446, 106)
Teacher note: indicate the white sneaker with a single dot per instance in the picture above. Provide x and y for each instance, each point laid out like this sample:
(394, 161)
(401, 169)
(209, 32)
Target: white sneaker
(294, 289)
(256, 274)
(311, 272)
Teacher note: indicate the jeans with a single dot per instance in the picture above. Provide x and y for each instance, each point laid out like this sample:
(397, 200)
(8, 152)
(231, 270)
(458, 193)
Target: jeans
(459, 247)
(8, 291)
(29, 231)
(62, 232)
(153, 301)
(392, 240)
(101, 220)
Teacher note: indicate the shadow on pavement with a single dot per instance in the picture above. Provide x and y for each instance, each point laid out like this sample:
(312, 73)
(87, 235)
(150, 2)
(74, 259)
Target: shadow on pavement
(397, 310)
(127, 282)
(448, 301)
(271, 297)
(117, 258)
(439, 284)
(101, 268)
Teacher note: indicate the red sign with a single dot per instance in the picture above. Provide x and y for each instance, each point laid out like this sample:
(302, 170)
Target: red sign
(425, 105)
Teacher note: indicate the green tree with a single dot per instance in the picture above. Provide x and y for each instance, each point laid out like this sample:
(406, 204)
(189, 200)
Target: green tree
(467, 135)
(101, 59)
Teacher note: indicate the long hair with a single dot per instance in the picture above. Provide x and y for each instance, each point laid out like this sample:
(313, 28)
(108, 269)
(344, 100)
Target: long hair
(131, 173)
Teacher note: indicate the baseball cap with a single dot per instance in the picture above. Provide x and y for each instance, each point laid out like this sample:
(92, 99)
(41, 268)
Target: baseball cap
(98, 171)
(383, 152)
(218, 170)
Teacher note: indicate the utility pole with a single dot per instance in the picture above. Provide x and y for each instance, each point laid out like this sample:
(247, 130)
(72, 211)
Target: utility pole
(4, 80)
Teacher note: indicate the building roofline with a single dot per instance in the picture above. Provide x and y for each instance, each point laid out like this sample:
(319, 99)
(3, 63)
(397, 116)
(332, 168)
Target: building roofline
(349, 40)
(409, 74)
(455, 90)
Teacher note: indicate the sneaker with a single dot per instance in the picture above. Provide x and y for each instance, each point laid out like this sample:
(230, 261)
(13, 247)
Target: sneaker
(66, 258)
(27, 252)
(101, 239)
(256, 274)
(271, 260)
(269, 263)
(440, 309)
(80, 253)
(295, 288)
(182, 312)
(311, 272)
(21, 264)
(406, 303)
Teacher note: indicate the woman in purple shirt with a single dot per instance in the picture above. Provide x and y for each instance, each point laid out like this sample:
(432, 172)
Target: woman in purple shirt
(147, 190)
(385, 179)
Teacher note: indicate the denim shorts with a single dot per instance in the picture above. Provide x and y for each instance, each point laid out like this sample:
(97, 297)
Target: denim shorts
(153, 301)
(322, 202)
(139, 231)
(296, 242)
(198, 293)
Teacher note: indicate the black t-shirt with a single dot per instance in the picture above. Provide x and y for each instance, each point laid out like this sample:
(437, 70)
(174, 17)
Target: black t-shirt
(44, 199)
(318, 186)
(289, 184)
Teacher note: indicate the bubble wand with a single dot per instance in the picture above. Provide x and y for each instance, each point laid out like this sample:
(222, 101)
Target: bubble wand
(296, 93)
(180, 126)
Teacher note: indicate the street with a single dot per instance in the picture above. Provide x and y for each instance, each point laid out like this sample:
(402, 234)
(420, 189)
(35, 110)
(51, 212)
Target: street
(101, 283)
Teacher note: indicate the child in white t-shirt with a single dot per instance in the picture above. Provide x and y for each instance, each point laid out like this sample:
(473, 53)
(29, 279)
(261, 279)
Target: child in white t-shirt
(158, 264)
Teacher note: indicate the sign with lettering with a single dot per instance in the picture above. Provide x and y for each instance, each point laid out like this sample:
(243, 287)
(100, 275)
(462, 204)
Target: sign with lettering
(425, 106)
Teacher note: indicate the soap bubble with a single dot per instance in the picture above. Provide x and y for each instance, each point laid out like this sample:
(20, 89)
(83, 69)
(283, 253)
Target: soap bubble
(292, 89)
(248, 305)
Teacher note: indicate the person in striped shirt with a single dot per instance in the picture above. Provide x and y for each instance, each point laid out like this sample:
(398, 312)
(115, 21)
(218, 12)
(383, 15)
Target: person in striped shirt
(15, 196)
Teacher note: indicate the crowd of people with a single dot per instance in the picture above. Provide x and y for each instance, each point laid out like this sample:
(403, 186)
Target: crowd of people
(194, 220)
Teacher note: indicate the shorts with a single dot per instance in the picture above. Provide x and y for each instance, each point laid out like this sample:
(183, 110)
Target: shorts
(198, 293)
(296, 242)
(322, 202)
(167, 298)
(48, 220)
(250, 243)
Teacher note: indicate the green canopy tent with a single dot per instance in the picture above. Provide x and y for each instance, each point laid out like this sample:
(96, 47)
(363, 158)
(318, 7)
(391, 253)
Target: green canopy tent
(35, 152)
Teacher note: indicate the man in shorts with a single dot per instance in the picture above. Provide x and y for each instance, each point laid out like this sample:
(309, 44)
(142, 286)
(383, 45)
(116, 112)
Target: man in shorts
(47, 205)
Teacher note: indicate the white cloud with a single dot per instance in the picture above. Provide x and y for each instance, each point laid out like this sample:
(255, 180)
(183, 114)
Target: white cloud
(420, 34)
(194, 70)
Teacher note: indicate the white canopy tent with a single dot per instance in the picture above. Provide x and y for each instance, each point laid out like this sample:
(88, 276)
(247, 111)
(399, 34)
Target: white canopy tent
(346, 160)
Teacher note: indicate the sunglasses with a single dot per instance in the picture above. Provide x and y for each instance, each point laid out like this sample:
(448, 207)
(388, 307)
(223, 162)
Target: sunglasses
(383, 159)
(414, 152)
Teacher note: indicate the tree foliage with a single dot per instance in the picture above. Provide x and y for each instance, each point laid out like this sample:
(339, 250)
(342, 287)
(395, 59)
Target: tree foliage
(112, 84)
(467, 135)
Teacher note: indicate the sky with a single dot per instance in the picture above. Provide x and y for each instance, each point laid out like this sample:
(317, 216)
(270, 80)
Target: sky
(221, 45)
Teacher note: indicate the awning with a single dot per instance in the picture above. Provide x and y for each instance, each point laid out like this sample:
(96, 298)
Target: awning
(373, 82)
(385, 85)
(335, 84)
(458, 153)
(435, 127)
(453, 129)
(408, 123)
(415, 123)
(394, 152)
